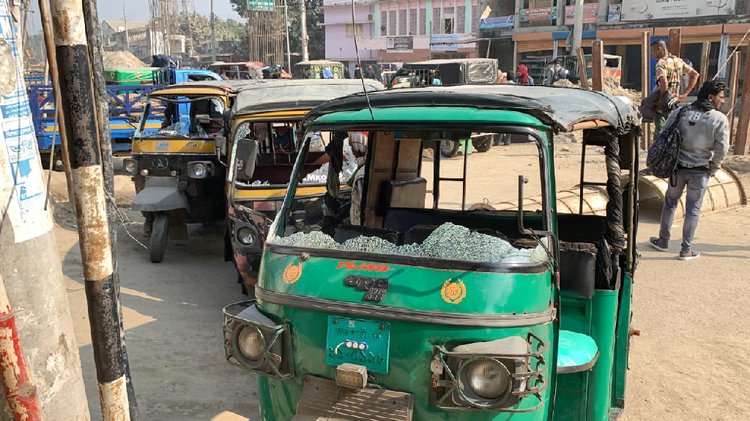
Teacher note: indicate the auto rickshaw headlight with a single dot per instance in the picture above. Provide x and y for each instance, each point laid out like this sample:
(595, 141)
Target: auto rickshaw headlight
(130, 166)
(250, 343)
(199, 169)
(485, 377)
(246, 236)
(255, 342)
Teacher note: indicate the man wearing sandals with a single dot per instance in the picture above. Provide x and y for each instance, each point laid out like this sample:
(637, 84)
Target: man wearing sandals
(705, 141)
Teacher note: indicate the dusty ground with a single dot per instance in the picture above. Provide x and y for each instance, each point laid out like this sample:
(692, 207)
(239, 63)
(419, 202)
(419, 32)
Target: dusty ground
(690, 362)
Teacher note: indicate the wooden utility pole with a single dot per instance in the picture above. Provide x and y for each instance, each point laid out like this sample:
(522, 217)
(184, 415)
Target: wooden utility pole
(582, 69)
(674, 44)
(77, 94)
(734, 75)
(645, 81)
(597, 64)
(742, 143)
(705, 57)
(34, 313)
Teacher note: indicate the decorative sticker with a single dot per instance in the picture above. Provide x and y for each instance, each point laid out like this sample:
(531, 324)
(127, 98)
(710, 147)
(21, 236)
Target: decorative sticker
(292, 273)
(453, 291)
(366, 267)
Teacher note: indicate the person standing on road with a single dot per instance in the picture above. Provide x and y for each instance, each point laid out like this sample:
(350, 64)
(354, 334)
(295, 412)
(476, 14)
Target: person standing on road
(522, 76)
(668, 73)
(704, 132)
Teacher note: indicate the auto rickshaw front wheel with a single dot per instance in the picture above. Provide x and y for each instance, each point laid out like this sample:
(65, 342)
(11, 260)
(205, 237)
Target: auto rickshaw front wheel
(157, 244)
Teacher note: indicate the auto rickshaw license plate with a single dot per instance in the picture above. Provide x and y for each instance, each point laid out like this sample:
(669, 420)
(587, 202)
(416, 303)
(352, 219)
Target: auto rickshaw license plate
(356, 341)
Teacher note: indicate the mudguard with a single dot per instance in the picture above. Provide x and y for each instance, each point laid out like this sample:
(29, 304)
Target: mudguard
(160, 194)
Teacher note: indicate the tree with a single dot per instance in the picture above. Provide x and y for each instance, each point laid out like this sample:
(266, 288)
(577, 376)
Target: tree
(315, 31)
(230, 35)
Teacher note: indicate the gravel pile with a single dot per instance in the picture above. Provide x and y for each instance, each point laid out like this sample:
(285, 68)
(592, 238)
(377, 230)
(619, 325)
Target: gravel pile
(448, 241)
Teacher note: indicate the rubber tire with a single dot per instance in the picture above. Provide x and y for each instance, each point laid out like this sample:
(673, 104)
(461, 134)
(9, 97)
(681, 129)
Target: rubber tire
(449, 148)
(482, 144)
(157, 244)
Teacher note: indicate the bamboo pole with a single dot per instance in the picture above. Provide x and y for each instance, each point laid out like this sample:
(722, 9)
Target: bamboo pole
(734, 84)
(582, 69)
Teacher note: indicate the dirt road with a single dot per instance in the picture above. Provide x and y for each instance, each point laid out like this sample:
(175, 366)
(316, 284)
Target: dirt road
(690, 362)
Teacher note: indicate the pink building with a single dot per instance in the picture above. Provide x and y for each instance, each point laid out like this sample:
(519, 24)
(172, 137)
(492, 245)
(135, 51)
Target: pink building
(400, 31)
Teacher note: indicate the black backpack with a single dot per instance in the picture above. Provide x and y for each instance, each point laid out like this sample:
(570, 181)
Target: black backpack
(663, 154)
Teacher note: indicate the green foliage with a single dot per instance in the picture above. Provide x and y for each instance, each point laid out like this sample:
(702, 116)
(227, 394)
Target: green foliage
(315, 30)
(231, 35)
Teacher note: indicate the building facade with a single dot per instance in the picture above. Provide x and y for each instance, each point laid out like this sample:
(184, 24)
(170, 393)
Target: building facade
(400, 31)
(535, 31)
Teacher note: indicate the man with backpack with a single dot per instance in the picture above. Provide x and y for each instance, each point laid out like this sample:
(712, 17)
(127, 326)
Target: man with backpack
(704, 134)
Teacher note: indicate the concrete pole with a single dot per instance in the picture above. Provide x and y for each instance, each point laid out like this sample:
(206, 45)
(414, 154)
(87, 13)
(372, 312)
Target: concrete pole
(96, 52)
(213, 33)
(288, 49)
(30, 270)
(90, 202)
(20, 392)
(578, 26)
(303, 29)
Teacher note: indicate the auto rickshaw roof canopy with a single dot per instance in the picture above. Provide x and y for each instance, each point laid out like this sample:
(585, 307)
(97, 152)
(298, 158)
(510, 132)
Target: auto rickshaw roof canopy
(205, 87)
(563, 109)
(283, 95)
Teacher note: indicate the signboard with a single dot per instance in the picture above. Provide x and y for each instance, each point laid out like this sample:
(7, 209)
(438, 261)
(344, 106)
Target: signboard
(22, 188)
(615, 11)
(498, 22)
(538, 14)
(444, 42)
(405, 43)
(260, 5)
(670, 9)
(590, 13)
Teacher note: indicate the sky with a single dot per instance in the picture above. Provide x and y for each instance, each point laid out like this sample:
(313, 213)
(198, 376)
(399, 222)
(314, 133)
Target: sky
(139, 10)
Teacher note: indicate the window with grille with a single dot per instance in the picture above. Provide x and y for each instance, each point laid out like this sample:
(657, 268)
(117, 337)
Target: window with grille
(402, 22)
(383, 23)
(436, 27)
(351, 28)
(422, 21)
(412, 21)
(392, 23)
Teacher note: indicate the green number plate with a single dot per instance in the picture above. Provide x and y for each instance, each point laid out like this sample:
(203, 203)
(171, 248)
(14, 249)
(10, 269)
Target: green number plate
(360, 342)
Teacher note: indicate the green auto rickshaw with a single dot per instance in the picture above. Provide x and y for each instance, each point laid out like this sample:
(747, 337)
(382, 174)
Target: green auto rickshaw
(430, 303)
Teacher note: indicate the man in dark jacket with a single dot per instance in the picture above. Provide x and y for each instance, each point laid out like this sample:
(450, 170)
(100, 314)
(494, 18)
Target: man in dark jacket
(705, 140)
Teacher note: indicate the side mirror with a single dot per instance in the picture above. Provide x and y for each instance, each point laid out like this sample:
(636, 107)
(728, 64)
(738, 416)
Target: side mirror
(247, 154)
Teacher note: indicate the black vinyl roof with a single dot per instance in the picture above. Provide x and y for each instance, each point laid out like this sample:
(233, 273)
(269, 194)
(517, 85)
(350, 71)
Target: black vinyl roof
(285, 94)
(561, 108)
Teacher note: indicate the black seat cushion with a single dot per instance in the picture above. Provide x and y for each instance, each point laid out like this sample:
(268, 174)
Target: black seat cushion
(578, 268)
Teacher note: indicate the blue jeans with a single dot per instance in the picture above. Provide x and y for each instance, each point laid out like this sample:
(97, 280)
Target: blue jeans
(696, 181)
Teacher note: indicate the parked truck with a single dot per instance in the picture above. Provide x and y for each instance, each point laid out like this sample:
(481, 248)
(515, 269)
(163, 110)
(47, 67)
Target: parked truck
(127, 90)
